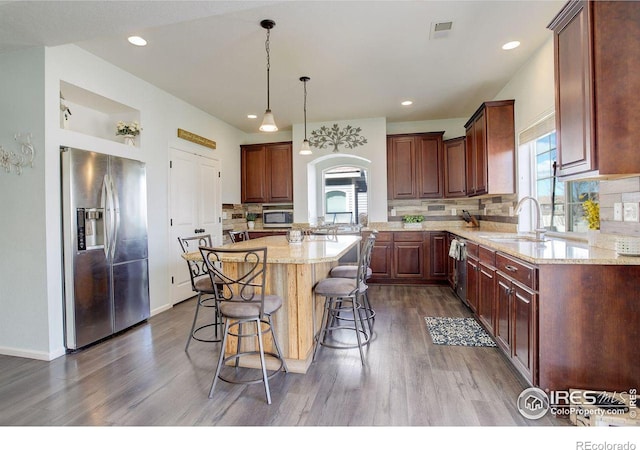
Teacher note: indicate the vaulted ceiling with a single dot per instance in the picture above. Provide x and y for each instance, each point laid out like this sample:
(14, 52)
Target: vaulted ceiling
(363, 57)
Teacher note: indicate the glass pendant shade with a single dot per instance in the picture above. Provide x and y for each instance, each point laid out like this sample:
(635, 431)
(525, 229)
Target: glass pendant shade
(268, 123)
(305, 149)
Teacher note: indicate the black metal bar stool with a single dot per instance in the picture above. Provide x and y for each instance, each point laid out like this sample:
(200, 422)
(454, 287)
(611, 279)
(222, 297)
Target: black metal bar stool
(201, 283)
(244, 302)
(351, 271)
(345, 295)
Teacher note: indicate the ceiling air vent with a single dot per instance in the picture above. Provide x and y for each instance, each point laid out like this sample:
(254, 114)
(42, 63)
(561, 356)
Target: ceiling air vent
(440, 30)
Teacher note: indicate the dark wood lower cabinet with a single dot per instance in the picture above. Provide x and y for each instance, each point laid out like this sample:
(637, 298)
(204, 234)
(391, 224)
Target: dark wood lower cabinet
(515, 325)
(410, 257)
(502, 331)
(438, 256)
(588, 318)
(451, 266)
(524, 338)
(381, 257)
(260, 234)
(486, 294)
(473, 268)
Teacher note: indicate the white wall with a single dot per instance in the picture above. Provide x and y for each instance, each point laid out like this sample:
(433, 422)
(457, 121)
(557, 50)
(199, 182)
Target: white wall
(533, 88)
(30, 282)
(372, 156)
(23, 281)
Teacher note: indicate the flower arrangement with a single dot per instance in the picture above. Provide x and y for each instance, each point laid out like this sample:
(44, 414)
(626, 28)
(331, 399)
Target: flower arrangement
(592, 214)
(251, 217)
(128, 129)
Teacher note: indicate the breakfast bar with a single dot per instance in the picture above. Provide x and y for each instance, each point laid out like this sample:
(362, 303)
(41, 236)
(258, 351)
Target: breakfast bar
(293, 269)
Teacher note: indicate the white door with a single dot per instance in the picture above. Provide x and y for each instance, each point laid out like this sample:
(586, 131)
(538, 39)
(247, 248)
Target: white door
(195, 209)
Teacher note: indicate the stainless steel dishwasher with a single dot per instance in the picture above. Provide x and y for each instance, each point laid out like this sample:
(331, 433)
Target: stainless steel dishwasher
(460, 265)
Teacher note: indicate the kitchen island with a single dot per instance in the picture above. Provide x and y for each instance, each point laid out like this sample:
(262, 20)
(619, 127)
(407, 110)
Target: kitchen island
(292, 272)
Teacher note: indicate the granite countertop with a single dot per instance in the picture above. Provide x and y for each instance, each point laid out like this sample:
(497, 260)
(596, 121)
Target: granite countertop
(554, 250)
(314, 249)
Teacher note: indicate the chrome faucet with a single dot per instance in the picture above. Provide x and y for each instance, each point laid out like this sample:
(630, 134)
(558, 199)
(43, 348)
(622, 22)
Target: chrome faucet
(540, 229)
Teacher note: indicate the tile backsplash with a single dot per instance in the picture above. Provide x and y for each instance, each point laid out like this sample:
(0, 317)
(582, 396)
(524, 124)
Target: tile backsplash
(490, 208)
(625, 190)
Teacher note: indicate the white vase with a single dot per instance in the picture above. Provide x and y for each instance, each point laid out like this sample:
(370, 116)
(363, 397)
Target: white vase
(251, 224)
(592, 237)
(129, 139)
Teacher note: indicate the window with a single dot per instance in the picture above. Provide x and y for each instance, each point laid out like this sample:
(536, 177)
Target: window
(345, 194)
(560, 202)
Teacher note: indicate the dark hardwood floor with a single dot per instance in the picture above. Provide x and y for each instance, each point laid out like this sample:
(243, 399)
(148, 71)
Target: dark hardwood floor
(144, 378)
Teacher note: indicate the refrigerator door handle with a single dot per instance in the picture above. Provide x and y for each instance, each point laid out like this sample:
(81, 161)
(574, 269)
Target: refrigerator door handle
(115, 200)
(104, 204)
(107, 200)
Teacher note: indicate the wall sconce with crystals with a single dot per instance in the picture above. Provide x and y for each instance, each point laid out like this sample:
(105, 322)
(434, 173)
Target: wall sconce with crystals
(17, 160)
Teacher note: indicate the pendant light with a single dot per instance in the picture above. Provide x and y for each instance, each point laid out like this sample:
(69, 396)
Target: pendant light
(305, 149)
(268, 123)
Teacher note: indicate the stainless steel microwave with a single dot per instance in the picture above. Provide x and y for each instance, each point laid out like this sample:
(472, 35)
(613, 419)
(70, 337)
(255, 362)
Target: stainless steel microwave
(277, 218)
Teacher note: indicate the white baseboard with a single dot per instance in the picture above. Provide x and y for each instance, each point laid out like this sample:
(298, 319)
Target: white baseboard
(32, 354)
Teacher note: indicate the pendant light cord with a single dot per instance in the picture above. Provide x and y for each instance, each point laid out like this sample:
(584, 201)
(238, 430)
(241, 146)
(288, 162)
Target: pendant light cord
(305, 110)
(266, 45)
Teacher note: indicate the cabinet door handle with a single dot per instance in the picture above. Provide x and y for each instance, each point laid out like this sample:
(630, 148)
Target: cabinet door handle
(511, 268)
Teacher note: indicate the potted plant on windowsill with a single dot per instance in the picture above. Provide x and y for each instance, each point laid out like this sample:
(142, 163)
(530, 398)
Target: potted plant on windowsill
(413, 221)
(251, 220)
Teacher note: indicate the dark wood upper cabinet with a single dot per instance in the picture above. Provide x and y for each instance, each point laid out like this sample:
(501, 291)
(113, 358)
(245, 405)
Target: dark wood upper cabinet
(597, 80)
(430, 174)
(454, 161)
(267, 173)
(401, 167)
(415, 166)
(490, 149)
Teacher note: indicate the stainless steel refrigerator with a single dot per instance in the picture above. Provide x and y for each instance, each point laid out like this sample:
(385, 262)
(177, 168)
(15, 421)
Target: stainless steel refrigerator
(104, 221)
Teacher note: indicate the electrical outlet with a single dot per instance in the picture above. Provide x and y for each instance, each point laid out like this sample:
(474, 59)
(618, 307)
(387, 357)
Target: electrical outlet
(630, 212)
(224, 215)
(510, 210)
(617, 212)
(454, 211)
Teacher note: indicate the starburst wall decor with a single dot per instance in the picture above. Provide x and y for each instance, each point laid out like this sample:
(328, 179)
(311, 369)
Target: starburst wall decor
(349, 137)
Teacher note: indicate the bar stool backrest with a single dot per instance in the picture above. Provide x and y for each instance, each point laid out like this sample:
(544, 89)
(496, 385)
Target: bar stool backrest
(365, 257)
(239, 236)
(245, 286)
(197, 269)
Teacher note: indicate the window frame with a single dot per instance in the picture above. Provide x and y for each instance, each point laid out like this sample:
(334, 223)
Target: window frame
(527, 143)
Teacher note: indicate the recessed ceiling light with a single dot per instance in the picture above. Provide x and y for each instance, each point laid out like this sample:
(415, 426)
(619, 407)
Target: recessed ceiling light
(252, 116)
(407, 103)
(137, 40)
(511, 45)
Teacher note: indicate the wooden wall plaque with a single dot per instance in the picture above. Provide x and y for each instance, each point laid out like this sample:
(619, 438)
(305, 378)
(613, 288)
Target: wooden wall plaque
(192, 137)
